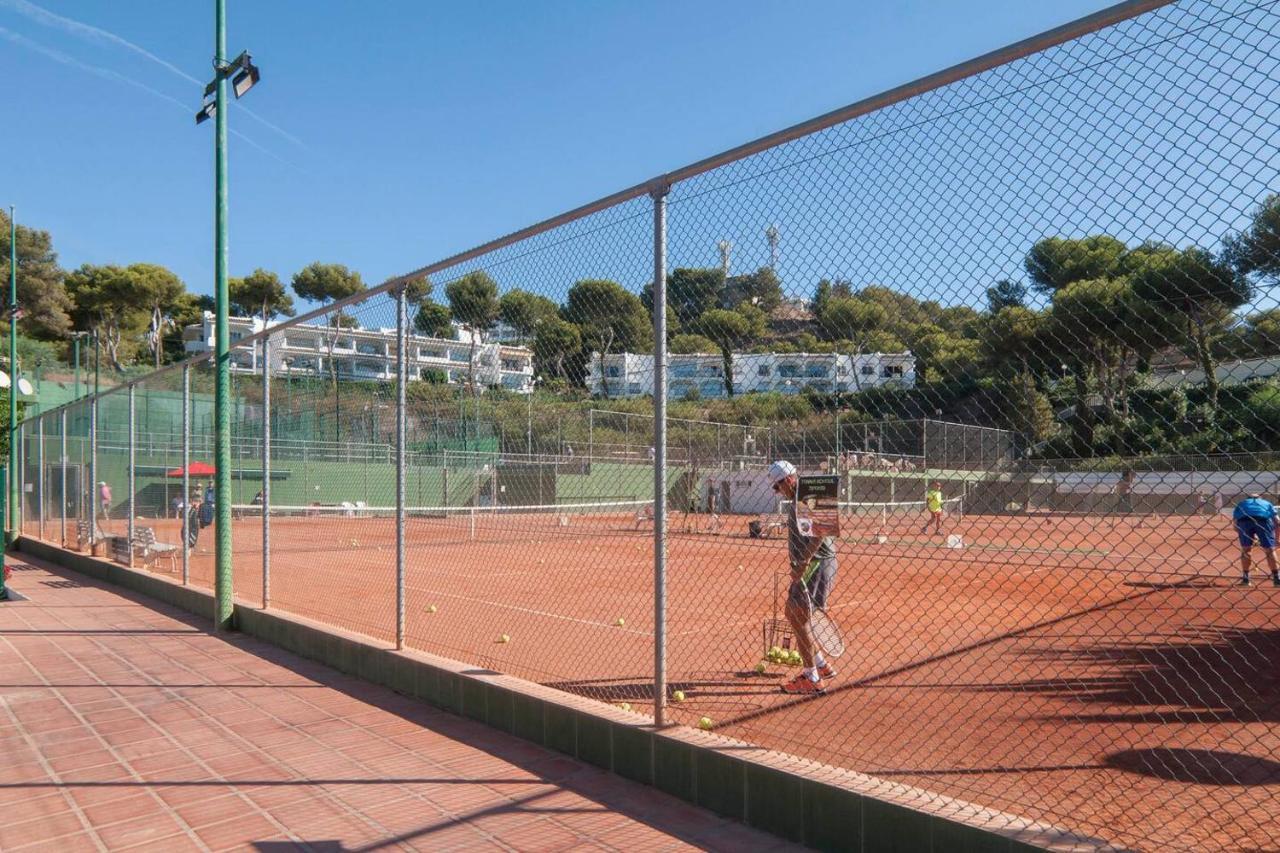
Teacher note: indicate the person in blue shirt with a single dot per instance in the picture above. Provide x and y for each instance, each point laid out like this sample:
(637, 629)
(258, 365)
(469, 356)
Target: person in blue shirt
(1255, 519)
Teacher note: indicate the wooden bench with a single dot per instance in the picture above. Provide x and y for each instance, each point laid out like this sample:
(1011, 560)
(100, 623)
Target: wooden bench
(149, 549)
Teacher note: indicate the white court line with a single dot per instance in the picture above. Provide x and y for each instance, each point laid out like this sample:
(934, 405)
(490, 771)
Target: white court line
(531, 611)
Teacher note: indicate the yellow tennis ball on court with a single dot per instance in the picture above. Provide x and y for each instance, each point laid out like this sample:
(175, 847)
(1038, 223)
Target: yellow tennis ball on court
(504, 639)
(678, 696)
(739, 566)
(431, 608)
(626, 706)
(705, 724)
(761, 667)
(620, 622)
(354, 543)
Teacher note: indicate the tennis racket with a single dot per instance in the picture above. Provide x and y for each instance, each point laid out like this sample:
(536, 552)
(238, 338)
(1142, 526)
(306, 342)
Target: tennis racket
(823, 628)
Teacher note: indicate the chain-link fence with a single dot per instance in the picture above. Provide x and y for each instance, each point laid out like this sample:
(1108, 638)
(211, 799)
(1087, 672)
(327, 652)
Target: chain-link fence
(1013, 326)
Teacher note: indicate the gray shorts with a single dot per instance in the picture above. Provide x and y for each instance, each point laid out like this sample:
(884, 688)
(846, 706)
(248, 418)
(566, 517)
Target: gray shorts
(819, 585)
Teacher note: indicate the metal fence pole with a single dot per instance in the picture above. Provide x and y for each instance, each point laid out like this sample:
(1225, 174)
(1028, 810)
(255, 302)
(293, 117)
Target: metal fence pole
(62, 468)
(40, 476)
(93, 472)
(266, 473)
(186, 474)
(22, 481)
(402, 323)
(659, 195)
(133, 459)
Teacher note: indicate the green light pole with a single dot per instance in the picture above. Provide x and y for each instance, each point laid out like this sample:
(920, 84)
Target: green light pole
(243, 75)
(13, 376)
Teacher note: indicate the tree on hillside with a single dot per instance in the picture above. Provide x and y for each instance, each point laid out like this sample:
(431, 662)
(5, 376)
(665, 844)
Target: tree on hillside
(1055, 262)
(262, 294)
(160, 293)
(41, 291)
(691, 292)
(1256, 250)
(319, 282)
(761, 288)
(609, 318)
(1196, 286)
(473, 301)
(687, 344)
(728, 330)
(1006, 294)
(433, 319)
(106, 302)
(524, 311)
(554, 343)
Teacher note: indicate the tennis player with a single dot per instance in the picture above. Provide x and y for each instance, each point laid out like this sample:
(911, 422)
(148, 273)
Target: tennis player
(933, 504)
(1255, 519)
(813, 573)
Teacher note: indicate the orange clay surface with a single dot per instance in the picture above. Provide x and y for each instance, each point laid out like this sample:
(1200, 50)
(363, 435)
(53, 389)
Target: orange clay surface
(1100, 673)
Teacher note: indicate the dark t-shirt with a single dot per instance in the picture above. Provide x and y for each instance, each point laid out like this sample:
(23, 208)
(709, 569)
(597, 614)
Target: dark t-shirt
(797, 543)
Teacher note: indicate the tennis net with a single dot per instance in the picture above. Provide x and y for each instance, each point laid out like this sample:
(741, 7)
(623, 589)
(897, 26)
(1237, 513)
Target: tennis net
(888, 517)
(376, 524)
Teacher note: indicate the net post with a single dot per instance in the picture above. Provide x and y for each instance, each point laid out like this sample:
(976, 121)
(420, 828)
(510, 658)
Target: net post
(402, 323)
(40, 475)
(473, 520)
(659, 195)
(186, 474)
(266, 472)
(62, 473)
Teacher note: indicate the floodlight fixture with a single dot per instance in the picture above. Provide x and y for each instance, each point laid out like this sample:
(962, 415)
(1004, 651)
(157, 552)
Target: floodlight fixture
(25, 388)
(247, 77)
(208, 111)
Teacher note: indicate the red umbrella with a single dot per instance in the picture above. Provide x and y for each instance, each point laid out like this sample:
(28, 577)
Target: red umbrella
(195, 469)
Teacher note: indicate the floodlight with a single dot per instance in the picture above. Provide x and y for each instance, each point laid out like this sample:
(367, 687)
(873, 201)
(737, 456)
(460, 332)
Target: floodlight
(247, 77)
(25, 387)
(4, 379)
(207, 112)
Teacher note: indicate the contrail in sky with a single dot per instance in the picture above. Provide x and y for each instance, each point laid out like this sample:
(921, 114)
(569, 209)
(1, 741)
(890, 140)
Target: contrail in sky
(116, 77)
(88, 32)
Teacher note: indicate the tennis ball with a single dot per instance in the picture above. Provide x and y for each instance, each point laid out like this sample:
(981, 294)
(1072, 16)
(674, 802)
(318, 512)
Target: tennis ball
(761, 667)
(620, 622)
(504, 639)
(739, 566)
(626, 706)
(678, 696)
(354, 543)
(705, 724)
(794, 659)
(776, 651)
(431, 608)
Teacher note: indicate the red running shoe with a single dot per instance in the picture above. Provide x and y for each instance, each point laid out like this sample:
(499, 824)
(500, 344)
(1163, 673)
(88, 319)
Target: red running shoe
(801, 685)
(825, 671)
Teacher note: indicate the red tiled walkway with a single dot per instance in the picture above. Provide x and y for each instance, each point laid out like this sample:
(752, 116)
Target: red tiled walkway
(126, 726)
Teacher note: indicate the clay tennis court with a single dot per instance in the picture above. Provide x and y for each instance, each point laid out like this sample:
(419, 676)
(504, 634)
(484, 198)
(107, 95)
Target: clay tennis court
(1101, 673)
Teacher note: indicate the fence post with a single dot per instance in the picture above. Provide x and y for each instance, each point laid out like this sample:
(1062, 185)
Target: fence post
(62, 468)
(40, 476)
(93, 472)
(401, 380)
(186, 474)
(133, 447)
(659, 196)
(266, 472)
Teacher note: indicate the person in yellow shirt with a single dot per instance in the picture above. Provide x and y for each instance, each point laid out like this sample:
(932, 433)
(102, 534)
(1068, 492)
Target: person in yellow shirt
(933, 504)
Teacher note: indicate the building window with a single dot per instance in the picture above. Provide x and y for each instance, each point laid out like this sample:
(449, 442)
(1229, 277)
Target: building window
(366, 348)
(816, 371)
(763, 371)
(892, 370)
(634, 389)
(612, 371)
(298, 343)
(868, 370)
(789, 371)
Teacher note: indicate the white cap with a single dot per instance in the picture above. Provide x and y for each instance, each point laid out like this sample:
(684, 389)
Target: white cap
(779, 471)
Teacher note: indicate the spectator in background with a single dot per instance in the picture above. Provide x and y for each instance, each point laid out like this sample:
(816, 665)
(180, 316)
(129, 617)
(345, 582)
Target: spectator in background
(104, 495)
(1255, 520)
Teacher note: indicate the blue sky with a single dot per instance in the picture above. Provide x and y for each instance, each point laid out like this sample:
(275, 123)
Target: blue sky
(394, 133)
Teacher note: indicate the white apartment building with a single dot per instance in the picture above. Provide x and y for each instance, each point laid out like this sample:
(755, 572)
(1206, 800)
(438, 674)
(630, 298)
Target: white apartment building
(631, 374)
(367, 354)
